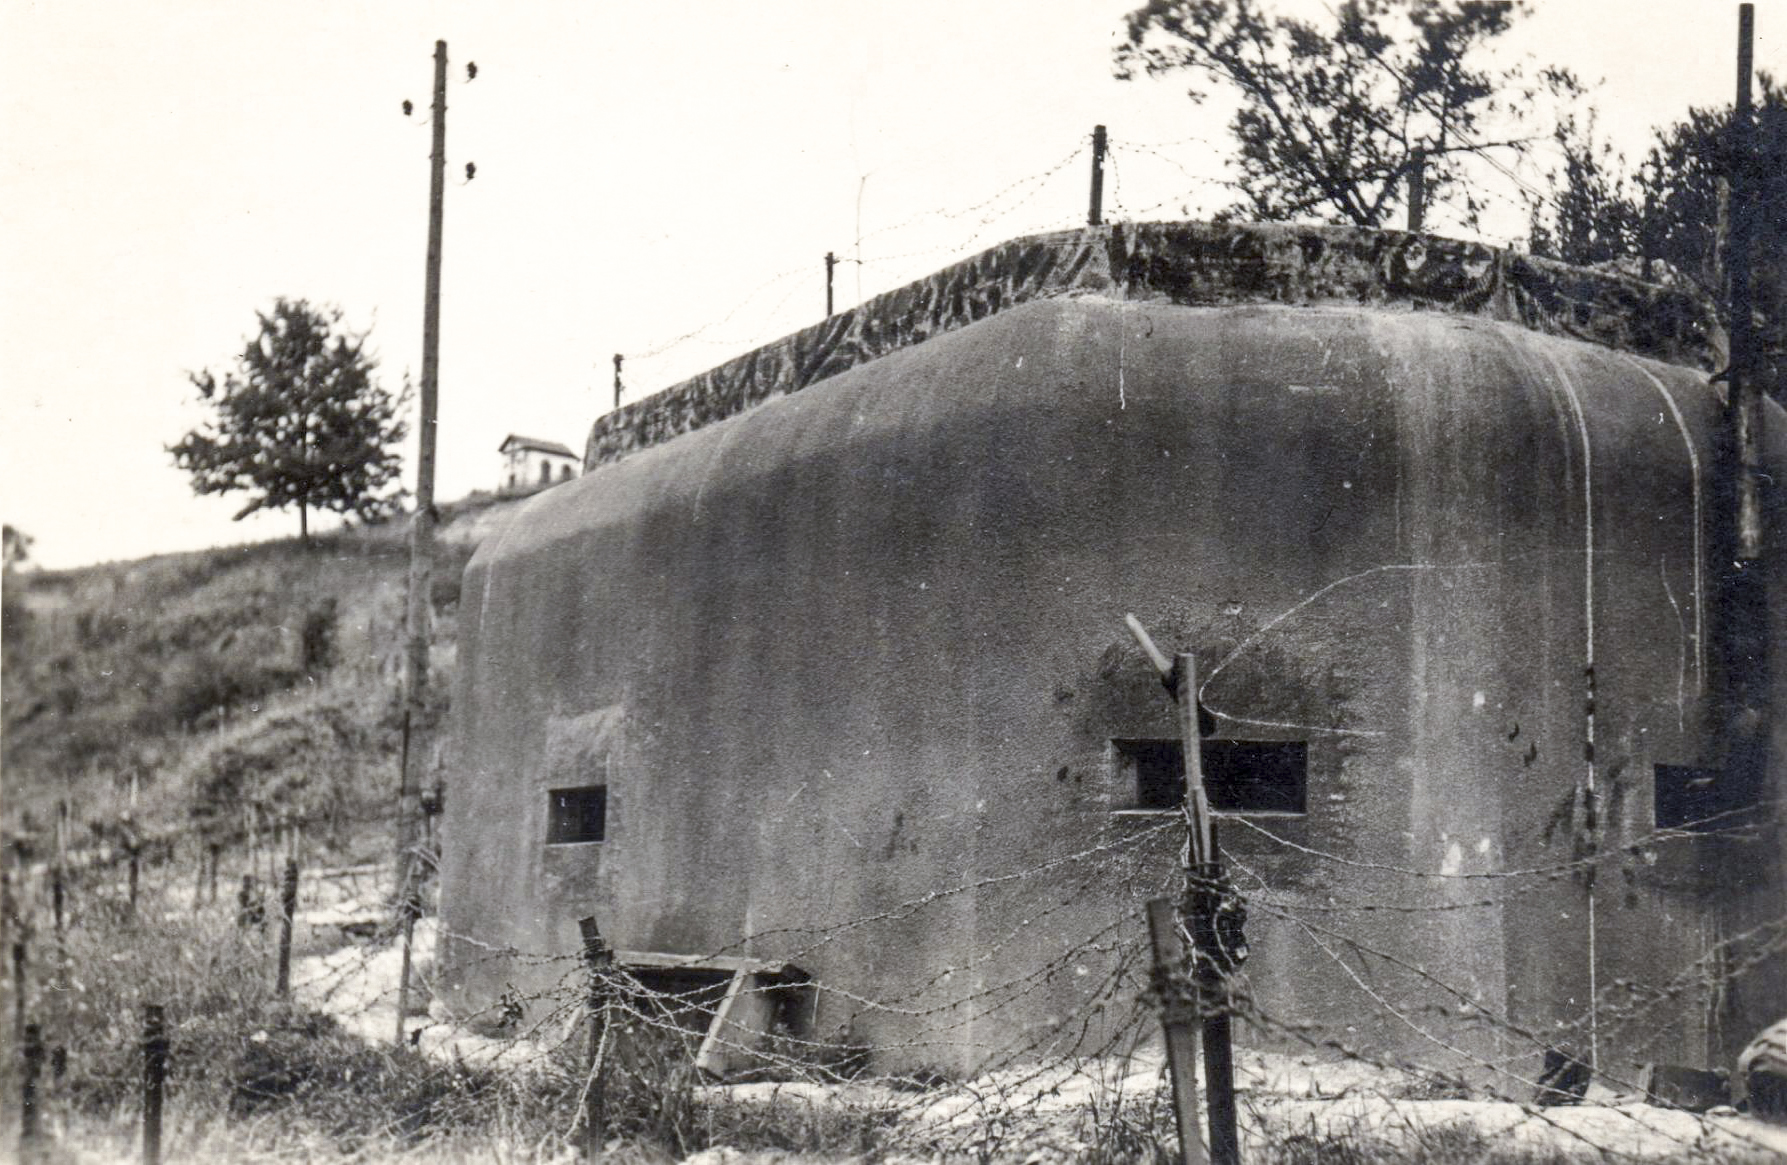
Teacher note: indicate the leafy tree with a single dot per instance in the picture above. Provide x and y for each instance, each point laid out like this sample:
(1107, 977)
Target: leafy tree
(1333, 123)
(1672, 210)
(15, 617)
(299, 422)
(17, 546)
(1593, 213)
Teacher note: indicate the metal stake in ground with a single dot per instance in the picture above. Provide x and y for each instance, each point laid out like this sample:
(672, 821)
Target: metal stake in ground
(598, 960)
(31, 1054)
(155, 1066)
(18, 988)
(1095, 207)
(288, 909)
(134, 847)
(59, 875)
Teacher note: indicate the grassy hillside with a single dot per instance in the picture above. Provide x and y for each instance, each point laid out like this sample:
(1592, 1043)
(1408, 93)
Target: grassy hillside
(231, 689)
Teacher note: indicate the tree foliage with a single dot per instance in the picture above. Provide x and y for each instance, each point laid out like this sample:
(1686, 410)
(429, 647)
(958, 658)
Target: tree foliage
(1671, 211)
(299, 421)
(1333, 122)
(1589, 214)
(17, 546)
(15, 617)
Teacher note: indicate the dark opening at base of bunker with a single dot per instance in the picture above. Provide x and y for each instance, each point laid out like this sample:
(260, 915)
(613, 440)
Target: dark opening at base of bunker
(819, 673)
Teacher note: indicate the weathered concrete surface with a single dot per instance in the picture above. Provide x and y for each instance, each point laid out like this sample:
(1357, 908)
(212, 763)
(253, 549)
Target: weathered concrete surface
(840, 656)
(1193, 264)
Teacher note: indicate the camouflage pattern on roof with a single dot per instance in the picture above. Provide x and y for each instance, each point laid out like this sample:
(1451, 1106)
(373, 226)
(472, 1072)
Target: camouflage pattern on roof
(1190, 264)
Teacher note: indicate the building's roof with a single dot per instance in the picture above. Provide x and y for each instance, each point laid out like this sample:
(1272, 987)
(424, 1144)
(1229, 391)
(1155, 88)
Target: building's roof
(533, 444)
(1188, 263)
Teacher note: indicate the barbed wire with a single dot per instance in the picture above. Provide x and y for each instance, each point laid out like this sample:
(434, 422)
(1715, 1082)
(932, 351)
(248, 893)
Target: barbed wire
(985, 213)
(957, 1011)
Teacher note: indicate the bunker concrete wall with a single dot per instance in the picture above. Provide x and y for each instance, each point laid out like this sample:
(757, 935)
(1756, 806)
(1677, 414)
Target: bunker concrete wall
(850, 663)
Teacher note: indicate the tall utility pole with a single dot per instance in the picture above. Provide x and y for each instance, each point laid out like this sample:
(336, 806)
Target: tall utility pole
(831, 263)
(1745, 652)
(415, 660)
(617, 362)
(1095, 214)
(1745, 598)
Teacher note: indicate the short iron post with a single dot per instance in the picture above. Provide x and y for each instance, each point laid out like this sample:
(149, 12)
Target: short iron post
(250, 911)
(18, 988)
(1095, 215)
(1417, 189)
(288, 910)
(31, 1053)
(598, 960)
(155, 1065)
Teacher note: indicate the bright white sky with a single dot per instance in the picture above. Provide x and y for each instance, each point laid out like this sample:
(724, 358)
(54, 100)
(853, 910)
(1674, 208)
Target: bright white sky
(644, 171)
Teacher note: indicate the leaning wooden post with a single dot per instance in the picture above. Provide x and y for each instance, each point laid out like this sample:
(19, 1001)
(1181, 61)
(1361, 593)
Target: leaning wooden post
(599, 960)
(1178, 1015)
(155, 1065)
(1213, 910)
(31, 1052)
(288, 910)
(1207, 894)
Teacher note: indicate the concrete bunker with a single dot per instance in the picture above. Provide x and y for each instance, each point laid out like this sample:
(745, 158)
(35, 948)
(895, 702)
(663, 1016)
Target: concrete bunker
(837, 630)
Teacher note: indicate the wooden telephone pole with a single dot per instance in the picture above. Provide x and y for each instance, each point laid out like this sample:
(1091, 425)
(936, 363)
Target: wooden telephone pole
(419, 615)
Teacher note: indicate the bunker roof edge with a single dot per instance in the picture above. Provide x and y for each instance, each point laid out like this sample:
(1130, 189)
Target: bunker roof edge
(1188, 263)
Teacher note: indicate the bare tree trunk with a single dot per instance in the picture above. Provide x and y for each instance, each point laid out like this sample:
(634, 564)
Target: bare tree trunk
(303, 523)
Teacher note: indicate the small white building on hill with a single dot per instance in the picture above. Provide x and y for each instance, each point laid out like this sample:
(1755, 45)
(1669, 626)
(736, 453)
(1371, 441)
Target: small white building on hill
(530, 463)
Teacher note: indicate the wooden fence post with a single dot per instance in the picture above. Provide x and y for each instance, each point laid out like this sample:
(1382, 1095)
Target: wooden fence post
(598, 959)
(1178, 1023)
(155, 1063)
(32, 1053)
(250, 910)
(19, 956)
(59, 882)
(288, 909)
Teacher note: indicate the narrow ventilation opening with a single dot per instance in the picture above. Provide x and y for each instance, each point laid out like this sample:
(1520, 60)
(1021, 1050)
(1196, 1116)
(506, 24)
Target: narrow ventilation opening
(576, 815)
(1701, 800)
(1240, 776)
